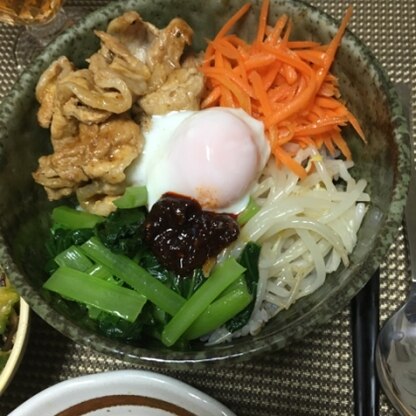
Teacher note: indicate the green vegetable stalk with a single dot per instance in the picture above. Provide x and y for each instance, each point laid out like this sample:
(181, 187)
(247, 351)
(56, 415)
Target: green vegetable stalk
(94, 291)
(74, 258)
(135, 276)
(134, 196)
(223, 275)
(73, 219)
(251, 210)
(220, 311)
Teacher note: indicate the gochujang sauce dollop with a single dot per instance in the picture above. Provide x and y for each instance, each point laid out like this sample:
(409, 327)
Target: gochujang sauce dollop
(183, 236)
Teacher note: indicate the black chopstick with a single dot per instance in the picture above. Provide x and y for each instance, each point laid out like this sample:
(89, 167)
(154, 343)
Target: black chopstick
(365, 326)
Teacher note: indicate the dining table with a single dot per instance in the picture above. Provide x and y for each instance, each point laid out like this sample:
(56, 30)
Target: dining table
(312, 376)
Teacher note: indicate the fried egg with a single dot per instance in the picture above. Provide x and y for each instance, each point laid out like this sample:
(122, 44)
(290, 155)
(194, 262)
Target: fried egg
(213, 156)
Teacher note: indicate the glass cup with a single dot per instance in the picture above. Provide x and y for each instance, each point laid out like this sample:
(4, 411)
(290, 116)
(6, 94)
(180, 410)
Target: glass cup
(43, 21)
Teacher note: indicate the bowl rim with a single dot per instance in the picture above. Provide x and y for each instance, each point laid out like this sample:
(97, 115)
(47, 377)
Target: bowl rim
(252, 347)
(19, 346)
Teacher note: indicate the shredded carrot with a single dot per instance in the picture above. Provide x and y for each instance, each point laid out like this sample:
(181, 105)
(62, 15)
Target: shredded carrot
(286, 84)
(279, 26)
(263, 21)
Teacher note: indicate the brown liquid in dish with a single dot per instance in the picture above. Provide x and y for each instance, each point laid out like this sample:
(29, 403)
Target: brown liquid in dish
(28, 11)
(97, 403)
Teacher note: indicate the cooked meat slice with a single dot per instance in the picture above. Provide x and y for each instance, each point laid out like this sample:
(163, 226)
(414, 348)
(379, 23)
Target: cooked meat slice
(88, 115)
(117, 144)
(97, 197)
(116, 57)
(159, 50)
(46, 88)
(133, 32)
(63, 129)
(166, 50)
(100, 91)
(99, 152)
(61, 172)
(181, 91)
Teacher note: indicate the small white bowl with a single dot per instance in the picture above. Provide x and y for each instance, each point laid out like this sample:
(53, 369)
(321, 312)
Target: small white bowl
(18, 349)
(122, 392)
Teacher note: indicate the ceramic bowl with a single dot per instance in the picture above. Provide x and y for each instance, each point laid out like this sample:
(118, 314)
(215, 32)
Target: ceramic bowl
(19, 347)
(383, 162)
(117, 393)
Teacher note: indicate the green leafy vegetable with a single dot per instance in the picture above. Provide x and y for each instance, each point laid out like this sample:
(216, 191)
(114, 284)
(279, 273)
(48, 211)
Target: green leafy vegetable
(250, 261)
(148, 261)
(61, 239)
(121, 232)
(108, 269)
(114, 327)
(134, 196)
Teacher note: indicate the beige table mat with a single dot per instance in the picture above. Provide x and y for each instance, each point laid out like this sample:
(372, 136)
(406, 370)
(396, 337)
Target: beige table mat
(312, 377)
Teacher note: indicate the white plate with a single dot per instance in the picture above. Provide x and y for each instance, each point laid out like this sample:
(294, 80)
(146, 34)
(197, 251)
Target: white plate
(122, 393)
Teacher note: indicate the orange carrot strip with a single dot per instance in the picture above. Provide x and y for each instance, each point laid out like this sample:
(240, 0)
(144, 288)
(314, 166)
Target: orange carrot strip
(215, 73)
(281, 93)
(226, 48)
(278, 29)
(327, 103)
(239, 94)
(313, 130)
(233, 20)
(212, 98)
(329, 145)
(270, 76)
(354, 122)
(236, 41)
(289, 73)
(288, 59)
(260, 92)
(305, 141)
(320, 126)
(288, 31)
(284, 157)
(226, 99)
(259, 60)
(299, 103)
(333, 47)
(302, 44)
(314, 56)
(261, 30)
(341, 144)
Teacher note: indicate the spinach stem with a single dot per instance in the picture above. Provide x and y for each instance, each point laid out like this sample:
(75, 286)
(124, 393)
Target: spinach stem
(135, 276)
(223, 275)
(134, 196)
(93, 291)
(219, 312)
(74, 258)
(73, 219)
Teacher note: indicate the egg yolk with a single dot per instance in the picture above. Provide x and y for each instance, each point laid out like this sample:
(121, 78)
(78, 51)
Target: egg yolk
(214, 158)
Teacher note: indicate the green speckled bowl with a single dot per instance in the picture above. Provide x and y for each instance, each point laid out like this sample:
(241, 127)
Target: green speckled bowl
(384, 163)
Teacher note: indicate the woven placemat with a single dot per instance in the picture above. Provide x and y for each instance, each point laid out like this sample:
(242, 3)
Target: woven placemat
(312, 377)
